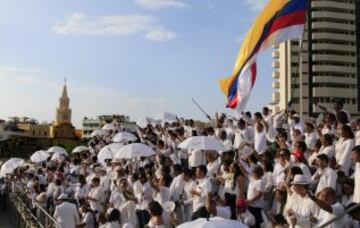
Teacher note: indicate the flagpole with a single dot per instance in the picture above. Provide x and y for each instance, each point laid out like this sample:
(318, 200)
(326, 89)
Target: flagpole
(201, 109)
(310, 59)
(299, 66)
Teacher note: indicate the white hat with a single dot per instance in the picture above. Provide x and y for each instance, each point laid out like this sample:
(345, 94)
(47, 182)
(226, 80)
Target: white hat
(300, 180)
(62, 197)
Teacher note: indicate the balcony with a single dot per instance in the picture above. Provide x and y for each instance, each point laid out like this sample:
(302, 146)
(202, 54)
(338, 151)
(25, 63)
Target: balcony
(333, 79)
(276, 85)
(276, 54)
(333, 26)
(276, 74)
(332, 5)
(334, 58)
(276, 64)
(334, 47)
(331, 91)
(333, 36)
(335, 69)
(333, 15)
(275, 97)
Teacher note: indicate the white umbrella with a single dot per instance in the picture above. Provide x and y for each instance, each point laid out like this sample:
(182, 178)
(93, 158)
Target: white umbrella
(215, 222)
(98, 132)
(58, 156)
(10, 165)
(124, 137)
(108, 152)
(134, 150)
(109, 127)
(57, 149)
(202, 143)
(40, 156)
(79, 149)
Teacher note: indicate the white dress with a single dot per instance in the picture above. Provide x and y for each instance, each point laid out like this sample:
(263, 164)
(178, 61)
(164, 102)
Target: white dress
(128, 213)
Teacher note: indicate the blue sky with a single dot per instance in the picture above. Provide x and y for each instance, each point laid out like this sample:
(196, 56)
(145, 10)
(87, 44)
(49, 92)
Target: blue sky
(135, 57)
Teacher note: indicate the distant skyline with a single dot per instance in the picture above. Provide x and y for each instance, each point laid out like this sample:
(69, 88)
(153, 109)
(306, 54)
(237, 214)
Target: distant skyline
(132, 57)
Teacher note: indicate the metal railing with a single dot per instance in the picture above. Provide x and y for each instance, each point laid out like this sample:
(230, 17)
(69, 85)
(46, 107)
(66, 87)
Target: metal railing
(28, 214)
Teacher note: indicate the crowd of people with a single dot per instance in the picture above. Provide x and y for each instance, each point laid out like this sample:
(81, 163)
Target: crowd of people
(278, 170)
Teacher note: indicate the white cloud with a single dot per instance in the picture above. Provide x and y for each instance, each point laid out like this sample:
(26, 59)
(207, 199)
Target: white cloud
(160, 4)
(256, 5)
(117, 25)
(160, 35)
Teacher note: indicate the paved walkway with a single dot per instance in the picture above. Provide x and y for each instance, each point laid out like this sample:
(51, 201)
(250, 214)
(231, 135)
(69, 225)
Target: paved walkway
(5, 220)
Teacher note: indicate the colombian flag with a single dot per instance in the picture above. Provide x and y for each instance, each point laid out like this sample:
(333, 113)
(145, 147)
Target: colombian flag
(281, 20)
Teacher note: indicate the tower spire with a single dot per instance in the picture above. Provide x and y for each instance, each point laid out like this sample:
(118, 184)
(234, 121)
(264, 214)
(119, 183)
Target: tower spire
(64, 91)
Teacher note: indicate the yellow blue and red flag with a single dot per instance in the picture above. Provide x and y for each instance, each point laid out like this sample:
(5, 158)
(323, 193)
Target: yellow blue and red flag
(281, 20)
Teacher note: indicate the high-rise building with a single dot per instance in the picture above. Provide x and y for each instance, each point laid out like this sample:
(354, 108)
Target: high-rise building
(327, 68)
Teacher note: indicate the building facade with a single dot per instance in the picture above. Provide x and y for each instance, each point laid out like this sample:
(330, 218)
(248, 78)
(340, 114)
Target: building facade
(323, 66)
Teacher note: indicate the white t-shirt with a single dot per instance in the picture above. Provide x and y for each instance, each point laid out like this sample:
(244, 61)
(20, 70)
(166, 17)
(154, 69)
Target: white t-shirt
(260, 142)
(97, 194)
(302, 207)
(88, 219)
(356, 198)
(247, 218)
(311, 140)
(324, 216)
(343, 151)
(203, 187)
(197, 158)
(213, 168)
(254, 188)
(328, 178)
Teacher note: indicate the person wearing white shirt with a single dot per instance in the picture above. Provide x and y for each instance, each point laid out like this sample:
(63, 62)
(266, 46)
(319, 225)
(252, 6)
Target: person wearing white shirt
(213, 165)
(297, 124)
(197, 158)
(201, 191)
(144, 199)
(162, 190)
(81, 190)
(66, 213)
(356, 160)
(357, 133)
(268, 117)
(311, 137)
(327, 146)
(260, 139)
(244, 138)
(255, 194)
(343, 149)
(324, 177)
(299, 208)
(243, 214)
(347, 192)
(329, 209)
(186, 197)
(281, 166)
(96, 195)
